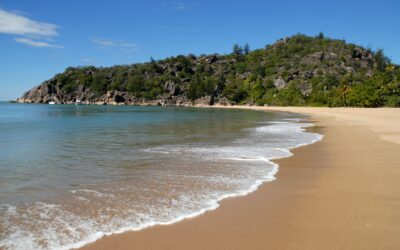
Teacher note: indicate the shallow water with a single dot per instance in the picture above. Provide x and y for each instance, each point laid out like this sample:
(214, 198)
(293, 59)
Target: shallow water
(71, 174)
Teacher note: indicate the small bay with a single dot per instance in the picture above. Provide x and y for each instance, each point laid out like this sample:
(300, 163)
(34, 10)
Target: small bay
(71, 174)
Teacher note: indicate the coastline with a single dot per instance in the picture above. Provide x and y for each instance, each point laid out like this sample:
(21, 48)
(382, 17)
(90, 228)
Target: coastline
(300, 210)
(256, 143)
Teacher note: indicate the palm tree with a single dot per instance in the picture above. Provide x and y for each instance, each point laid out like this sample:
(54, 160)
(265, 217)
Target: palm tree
(390, 69)
(343, 91)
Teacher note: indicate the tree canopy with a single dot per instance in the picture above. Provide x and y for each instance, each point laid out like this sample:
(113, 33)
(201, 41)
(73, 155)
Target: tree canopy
(297, 70)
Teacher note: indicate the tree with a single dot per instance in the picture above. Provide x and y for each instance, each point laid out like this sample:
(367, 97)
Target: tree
(135, 84)
(234, 90)
(348, 75)
(246, 49)
(390, 69)
(237, 50)
(194, 90)
(364, 95)
(257, 91)
(381, 60)
(344, 90)
(99, 82)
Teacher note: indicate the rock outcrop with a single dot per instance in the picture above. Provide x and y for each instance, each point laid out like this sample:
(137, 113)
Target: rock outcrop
(307, 63)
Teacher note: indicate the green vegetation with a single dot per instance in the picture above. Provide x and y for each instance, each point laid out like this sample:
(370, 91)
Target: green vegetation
(299, 70)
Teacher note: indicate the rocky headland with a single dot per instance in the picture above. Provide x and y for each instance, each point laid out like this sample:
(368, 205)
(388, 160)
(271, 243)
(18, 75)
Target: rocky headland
(298, 70)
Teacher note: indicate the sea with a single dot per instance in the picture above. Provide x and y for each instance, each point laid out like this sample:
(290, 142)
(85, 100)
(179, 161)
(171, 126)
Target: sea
(70, 175)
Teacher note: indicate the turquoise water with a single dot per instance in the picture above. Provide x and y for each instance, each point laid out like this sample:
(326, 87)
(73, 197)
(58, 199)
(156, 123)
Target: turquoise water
(71, 174)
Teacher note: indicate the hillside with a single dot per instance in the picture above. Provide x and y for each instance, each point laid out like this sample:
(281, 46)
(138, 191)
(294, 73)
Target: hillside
(297, 71)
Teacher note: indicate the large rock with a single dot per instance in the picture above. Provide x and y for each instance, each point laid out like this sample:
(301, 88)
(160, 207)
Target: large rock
(212, 58)
(40, 94)
(365, 57)
(280, 83)
(314, 58)
(114, 97)
(245, 75)
(307, 74)
(367, 61)
(330, 56)
(350, 70)
(203, 101)
(357, 53)
(175, 101)
(225, 102)
(119, 98)
(171, 88)
(305, 88)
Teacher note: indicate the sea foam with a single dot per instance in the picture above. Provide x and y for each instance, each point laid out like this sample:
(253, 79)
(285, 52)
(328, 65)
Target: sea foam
(207, 175)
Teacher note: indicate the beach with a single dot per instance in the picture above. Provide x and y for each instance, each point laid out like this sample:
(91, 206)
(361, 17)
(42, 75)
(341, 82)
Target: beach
(339, 193)
(94, 171)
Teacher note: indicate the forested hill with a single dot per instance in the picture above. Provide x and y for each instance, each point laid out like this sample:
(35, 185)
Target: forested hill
(298, 70)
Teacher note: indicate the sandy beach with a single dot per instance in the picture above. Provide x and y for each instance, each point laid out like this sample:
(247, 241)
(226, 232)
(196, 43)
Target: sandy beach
(340, 193)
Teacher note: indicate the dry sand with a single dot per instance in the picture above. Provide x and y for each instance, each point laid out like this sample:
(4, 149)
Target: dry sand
(383, 121)
(340, 193)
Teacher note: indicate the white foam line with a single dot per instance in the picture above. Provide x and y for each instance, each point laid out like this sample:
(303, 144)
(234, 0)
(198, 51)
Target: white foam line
(212, 205)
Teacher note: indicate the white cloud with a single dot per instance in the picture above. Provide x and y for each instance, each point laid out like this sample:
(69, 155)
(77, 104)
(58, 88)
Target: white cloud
(108, 43)
(103, 42)
(171, 28)
(12, 23)
(31, 32)
(180, 5)
(87, 60)
(128, 45)
(36, 43)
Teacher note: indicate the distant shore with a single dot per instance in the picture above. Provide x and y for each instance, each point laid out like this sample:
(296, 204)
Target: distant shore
(339, 193)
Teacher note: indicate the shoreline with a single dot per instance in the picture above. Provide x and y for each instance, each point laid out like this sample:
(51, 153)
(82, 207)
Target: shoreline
(229, 212)
(214, 204)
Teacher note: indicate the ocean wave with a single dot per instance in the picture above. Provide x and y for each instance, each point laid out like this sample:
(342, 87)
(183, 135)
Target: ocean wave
(207, 175)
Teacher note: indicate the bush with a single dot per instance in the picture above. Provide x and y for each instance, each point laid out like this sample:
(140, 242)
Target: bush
(393, 101)
(247, 76)
(290, 96)
(135, 85)
(364, 95)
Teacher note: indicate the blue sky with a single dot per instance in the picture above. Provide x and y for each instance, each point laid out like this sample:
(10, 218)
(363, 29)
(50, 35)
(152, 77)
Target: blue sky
(39, 38)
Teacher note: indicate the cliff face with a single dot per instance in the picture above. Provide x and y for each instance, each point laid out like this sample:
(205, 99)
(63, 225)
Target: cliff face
(298, 70)
(173, 92)
(43, 94)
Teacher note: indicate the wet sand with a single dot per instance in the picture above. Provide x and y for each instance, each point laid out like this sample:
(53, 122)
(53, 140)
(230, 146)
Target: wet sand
(340, 193)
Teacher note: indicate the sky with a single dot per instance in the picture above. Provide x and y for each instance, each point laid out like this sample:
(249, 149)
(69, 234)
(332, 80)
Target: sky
(40, 38)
